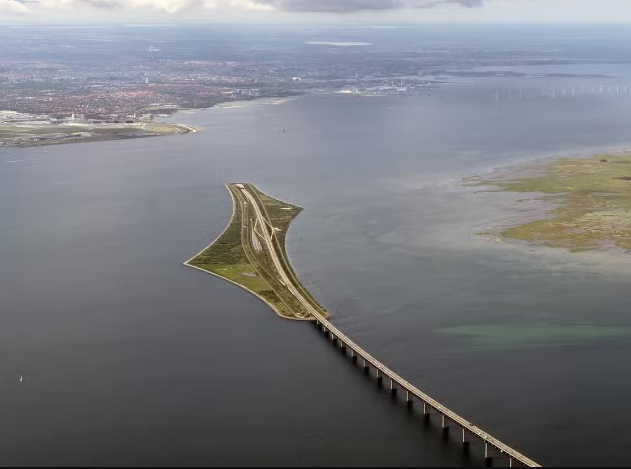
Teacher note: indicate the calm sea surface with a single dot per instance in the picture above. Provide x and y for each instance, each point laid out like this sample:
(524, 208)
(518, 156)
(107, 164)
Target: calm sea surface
(130, 358)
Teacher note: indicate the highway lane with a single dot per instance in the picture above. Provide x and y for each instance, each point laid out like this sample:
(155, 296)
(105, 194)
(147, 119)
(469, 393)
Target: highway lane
(267, 239)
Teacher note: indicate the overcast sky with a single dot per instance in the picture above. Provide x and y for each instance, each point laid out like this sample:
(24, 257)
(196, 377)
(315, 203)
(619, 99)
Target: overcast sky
(270, 10)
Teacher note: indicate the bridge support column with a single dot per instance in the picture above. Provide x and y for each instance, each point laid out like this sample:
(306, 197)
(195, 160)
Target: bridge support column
(408, 399)
(342, 346)
(379, 377)
(366, 367)
(488, 459)
(353, 356)
(333, 338)
(510, 462)
(445, 426)
(393, 388)
(426, 412)
(466, 445)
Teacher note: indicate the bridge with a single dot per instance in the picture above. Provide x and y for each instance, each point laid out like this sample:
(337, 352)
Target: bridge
(412, 394)
(450, 421)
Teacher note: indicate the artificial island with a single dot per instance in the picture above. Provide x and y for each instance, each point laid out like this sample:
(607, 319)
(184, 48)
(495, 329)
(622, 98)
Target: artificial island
(251, 253)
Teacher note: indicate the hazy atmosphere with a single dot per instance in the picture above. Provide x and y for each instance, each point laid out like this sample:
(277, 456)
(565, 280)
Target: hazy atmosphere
(353, 10)
(315, 233)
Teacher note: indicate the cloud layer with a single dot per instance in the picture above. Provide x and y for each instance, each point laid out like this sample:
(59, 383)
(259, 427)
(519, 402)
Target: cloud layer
(167, 6)
(344, 6)
(175, 6)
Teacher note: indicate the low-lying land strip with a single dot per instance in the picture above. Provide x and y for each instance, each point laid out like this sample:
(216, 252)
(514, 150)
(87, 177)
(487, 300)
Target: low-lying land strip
(251, 253)
(588, 202)
(30, 135)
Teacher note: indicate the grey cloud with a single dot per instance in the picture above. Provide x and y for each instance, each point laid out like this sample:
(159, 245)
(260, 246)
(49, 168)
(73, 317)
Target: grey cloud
(349, 6)
(175, 6)
(103, 4)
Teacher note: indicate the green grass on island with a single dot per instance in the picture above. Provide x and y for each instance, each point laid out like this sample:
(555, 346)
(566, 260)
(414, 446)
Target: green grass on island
(505, 337)
(590, 200)
(239, 256)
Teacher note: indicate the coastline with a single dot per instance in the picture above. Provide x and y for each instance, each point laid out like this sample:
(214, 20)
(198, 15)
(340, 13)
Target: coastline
(543, 158)
(63, 134)
(179, 128)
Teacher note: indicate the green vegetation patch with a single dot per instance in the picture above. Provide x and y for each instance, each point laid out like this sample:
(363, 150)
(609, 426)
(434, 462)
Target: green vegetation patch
(239, 257)
(499, 337)
(226, 258)
(281, 214)
(591, 199)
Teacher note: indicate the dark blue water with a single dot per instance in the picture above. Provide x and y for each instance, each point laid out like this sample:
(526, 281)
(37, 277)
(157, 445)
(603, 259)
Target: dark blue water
(131, 358)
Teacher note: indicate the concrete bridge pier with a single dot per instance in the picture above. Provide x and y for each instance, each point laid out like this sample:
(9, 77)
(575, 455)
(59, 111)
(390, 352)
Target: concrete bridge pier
(366, 367)
(408, 399)
(353, 356)
(488, 459)
(466, 444)
(393, 388)
(445, 426)
(379, 377)
(426, 414)
(342, 346)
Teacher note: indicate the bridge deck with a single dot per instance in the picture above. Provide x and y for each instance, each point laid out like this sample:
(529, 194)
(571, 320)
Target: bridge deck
(405, 385)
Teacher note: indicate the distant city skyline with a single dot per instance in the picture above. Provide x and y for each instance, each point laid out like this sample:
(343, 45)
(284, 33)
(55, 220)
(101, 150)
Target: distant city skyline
(292, 10)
